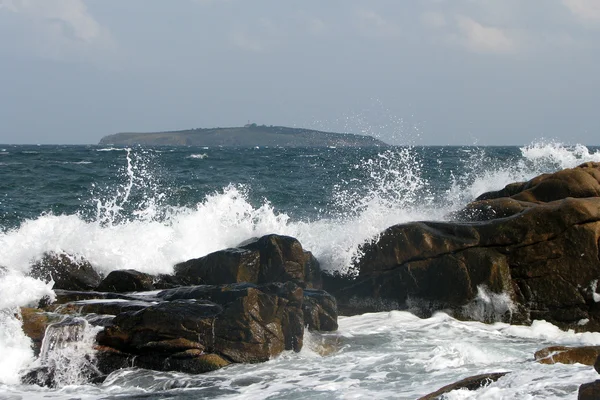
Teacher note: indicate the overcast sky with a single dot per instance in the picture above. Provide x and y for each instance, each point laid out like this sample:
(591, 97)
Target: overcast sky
(407, 71)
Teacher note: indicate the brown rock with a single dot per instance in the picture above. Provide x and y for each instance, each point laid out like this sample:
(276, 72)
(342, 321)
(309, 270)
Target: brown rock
(35, 322)
(589, 391)
(67, 271)
(581, 181)
(271, 258)
(470, 383)
(231, 323)
(543, 259)
(126, 280)
(586, 355)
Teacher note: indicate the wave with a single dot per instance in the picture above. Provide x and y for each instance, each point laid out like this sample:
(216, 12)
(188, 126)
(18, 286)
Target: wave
(198, 156)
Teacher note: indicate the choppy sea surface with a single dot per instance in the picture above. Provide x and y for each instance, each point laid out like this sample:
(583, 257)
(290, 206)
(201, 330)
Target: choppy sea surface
(148, 208)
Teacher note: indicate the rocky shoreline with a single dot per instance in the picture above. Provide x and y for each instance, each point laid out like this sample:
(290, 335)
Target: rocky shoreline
(527, 252)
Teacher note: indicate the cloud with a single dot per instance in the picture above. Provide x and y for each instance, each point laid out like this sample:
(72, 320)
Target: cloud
(434, 20)
(587, 10)
(59, 29)
(371, 23)
(260, 37)
(315, 26)
(483, 39)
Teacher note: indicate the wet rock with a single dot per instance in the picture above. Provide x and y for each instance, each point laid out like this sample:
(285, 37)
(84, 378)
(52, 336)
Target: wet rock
(221, 267)
(542, 261)
(580, 182)
(197, 329)
(320, 311)
(67, 271)
(103, 307)
(126, 280)
(271, 258)
(586, 355)
(471, 383)
(282, 259)
(589, 391)
(35, 322)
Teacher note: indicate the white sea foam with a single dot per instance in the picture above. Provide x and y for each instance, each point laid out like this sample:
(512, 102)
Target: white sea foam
(198, 156)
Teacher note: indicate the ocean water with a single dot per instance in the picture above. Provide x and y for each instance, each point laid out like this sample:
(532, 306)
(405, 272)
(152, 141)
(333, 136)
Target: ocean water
(149, 208)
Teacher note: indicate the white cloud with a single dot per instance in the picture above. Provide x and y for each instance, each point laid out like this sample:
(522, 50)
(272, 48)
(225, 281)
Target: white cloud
(587, 10)
(371, 23)
(60, 28)
(483, 39)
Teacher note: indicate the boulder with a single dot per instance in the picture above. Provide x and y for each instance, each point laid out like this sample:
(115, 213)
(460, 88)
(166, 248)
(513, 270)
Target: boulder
(200, 328)
(580, 182)
(320, 311)
(586, 355)
(126, 280)
(35, 322)
(271, 258)
(68, 272)
(531, 257)
(470, 383)
(589, 391)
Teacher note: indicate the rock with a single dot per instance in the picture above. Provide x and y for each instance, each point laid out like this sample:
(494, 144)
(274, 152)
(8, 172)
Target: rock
(103, 307)
(126, 280)
(580, 182)
(67, 271)
(532, 254)
(586, 355)
(589, 391)
(282, 259)
(471, 383)
(541, 263)
(200, 328)
(221, 267)
(35, 322)
(293, 320)
(271, 258)
(320, 311)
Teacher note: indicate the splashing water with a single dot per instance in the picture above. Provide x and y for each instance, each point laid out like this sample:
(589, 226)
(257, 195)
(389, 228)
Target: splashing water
(134, 226)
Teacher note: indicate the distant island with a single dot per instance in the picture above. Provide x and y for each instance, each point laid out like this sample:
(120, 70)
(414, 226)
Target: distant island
(247, 136)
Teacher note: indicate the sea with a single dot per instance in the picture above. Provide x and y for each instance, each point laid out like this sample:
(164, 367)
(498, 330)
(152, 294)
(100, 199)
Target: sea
(148, 208)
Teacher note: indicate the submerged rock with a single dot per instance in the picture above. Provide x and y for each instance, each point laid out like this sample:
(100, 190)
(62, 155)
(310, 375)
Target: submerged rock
(68, 272)
(540, 260)
(470, 383)
(271, 258)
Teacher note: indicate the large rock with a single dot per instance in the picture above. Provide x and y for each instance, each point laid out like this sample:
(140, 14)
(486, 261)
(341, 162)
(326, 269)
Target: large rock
(589, 391)
(68, 272)
(241, 323)
(537, 261)
(271, 258)
(126, 280)
(582, 181)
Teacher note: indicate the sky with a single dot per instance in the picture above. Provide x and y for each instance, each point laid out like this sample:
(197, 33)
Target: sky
(421, 72)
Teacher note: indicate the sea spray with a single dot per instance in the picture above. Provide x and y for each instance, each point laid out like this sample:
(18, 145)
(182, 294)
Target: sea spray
(17, 291)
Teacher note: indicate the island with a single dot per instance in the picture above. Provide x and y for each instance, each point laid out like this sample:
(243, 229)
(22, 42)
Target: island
(247, 136)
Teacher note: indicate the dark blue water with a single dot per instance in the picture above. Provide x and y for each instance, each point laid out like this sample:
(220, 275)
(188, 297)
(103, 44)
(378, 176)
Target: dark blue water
(299, 182)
